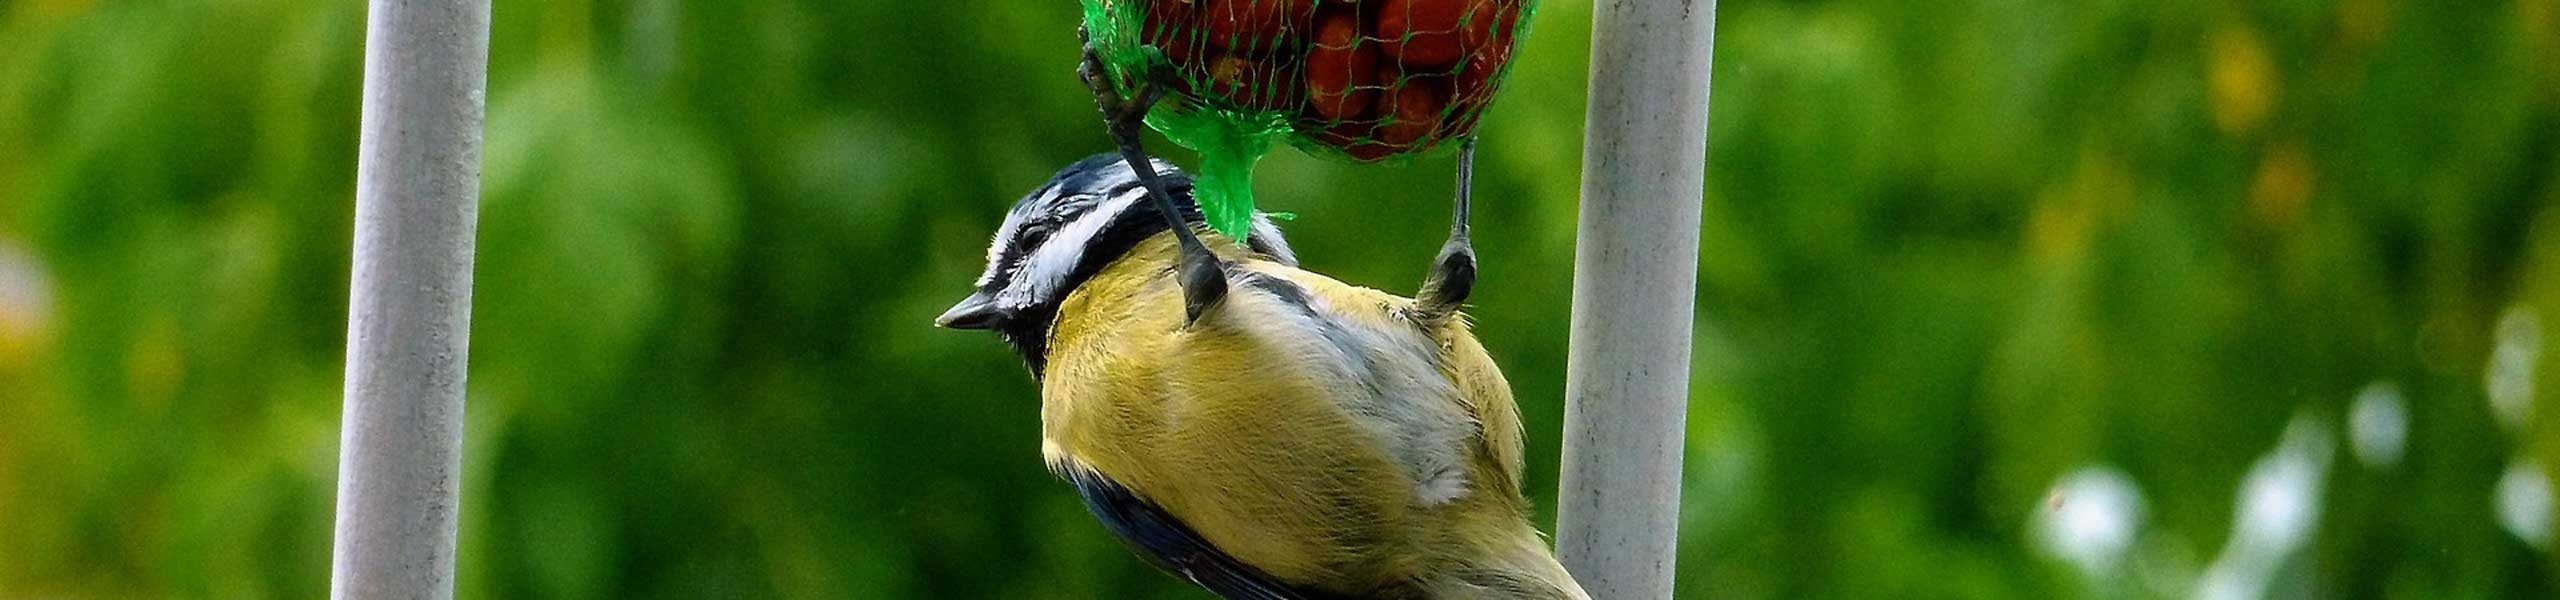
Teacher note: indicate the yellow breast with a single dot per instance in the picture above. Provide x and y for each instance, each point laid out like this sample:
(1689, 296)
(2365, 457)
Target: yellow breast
(1304, 426)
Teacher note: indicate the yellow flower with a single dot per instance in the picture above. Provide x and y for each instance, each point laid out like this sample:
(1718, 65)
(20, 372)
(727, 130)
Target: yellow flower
(2240, 81)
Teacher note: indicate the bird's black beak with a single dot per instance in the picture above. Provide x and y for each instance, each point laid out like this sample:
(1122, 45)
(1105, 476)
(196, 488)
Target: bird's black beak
(978, 311)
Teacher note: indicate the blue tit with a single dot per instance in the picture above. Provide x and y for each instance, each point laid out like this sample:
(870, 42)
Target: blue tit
(1276, 435)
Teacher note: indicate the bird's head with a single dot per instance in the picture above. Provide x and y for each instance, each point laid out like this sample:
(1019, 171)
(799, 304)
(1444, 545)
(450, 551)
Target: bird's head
(1061, 234)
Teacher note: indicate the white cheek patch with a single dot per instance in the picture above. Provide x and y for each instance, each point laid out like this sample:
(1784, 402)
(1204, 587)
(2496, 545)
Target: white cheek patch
(1004, 237)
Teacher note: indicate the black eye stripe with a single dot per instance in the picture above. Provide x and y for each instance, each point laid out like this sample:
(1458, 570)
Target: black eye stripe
(1036, 230)
(1071, 198)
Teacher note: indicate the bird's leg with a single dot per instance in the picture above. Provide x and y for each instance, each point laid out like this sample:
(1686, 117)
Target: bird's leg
(1202, 276)
(1453, 273)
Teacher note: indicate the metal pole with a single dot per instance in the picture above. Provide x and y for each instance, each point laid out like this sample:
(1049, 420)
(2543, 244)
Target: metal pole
(1634, 287)
(409, 307)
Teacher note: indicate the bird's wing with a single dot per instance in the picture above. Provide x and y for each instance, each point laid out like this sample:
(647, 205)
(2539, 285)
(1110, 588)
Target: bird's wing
(1488, 398)
(1169, 544)
(1427, 390)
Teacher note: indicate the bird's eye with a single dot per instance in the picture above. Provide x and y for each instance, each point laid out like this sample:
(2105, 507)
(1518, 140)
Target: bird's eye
(1039, 227)
(1037, 231)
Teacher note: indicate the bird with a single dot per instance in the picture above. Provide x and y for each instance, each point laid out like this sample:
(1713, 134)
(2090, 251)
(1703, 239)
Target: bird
(1287, 436)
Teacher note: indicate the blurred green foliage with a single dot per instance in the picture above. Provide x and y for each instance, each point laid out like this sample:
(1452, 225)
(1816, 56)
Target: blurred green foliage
(1955, 251)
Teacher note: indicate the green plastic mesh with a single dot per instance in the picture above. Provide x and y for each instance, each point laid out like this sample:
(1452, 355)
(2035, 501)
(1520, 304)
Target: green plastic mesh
(1358, 80)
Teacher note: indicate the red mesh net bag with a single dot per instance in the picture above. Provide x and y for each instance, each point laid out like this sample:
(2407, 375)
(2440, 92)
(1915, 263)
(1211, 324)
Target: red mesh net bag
(1364, 80)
